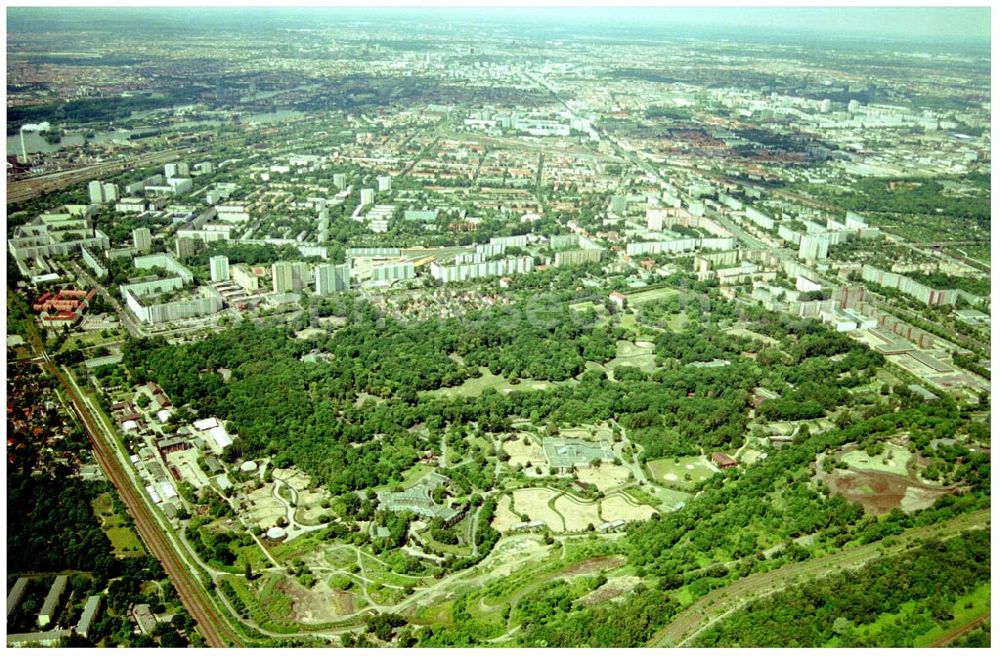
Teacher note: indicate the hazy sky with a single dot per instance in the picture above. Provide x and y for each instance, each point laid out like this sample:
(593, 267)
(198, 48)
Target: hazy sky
(968, 24)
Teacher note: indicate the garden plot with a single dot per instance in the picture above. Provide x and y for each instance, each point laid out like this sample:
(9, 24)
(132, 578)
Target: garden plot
(605, 476)
(503, 517)
(621, 507)
(521, 454)
(310, 506)
(262, 509)
(577, 514)
(535, 503)
(293, 477)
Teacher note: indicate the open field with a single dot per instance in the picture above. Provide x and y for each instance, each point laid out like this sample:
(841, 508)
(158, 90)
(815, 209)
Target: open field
(319, 604)
(521, 454)
(577, 515)
(535, 503)
(685, 473)
(504, 518)
(410, 477)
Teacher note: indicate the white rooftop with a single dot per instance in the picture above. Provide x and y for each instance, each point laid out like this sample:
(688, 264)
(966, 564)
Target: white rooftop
(206, 424)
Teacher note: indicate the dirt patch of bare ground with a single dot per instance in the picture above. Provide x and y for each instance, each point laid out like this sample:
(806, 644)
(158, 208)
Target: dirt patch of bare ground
(614, 588)
(321, 604)
(592, 565)
(881, 492)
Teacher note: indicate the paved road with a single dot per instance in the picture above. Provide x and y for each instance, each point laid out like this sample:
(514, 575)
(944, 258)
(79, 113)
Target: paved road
(721, 602)
(210, 624)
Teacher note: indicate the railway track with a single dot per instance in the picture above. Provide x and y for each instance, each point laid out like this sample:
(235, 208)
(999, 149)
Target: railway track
(211, 625)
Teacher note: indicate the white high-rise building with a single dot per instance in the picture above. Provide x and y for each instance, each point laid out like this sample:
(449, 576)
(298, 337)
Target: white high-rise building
(110, 192)
(385, 183)
(142, 239)
(340, 180)
(219, 266)
(95, 190)
(367, 196)
(332, 278)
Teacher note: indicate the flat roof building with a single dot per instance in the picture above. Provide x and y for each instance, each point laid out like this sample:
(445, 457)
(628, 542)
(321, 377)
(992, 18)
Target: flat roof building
(50, 607)
(90, 611)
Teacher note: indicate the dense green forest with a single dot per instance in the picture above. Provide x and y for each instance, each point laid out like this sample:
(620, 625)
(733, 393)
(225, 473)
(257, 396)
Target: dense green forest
(310, 414)
(840, 610)
(924, 197)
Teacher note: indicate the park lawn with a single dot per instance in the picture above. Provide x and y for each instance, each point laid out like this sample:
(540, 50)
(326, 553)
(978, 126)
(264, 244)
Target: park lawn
(897, 457)
(410, 477)
(646, 296)
(124, 540)
(87, 340)
(685, 474)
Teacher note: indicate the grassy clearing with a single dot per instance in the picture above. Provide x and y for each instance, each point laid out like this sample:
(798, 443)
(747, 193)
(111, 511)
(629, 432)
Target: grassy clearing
(490, 381)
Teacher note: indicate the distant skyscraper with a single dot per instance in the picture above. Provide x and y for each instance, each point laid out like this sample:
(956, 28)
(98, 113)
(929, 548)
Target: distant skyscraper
(385, 183)
(219, 266)
(142, 238)
(340, 180)
(367, 196)
(332, 278)
(96, 191)
(110, 192)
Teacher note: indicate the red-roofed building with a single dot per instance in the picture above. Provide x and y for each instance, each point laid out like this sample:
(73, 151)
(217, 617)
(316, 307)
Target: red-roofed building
(723, 460)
